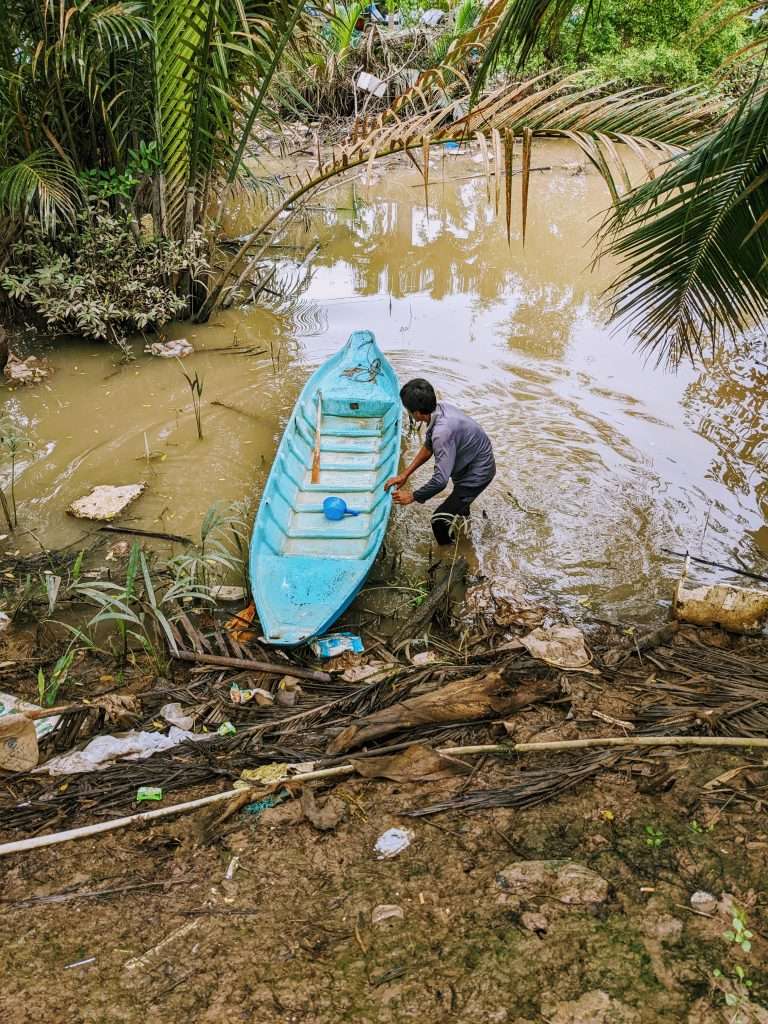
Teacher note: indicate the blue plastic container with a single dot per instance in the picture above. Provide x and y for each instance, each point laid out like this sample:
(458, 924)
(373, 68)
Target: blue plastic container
(336, 508)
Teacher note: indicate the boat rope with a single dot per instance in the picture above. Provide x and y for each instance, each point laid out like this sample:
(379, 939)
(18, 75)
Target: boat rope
(364, 374)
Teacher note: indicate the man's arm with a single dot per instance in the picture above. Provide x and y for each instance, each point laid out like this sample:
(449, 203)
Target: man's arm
(423, 455)
(445, 460)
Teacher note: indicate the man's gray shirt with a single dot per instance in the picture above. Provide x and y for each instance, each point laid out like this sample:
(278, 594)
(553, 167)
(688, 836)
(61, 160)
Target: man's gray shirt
(462, 451)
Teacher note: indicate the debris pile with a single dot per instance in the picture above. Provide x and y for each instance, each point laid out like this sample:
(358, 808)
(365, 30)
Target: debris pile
(505, 679)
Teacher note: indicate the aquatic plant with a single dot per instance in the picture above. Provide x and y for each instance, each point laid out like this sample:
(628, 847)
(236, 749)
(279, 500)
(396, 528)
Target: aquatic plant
(15, 442)
(98, 278)
(48, 686)
(195, 385)
(221, 551)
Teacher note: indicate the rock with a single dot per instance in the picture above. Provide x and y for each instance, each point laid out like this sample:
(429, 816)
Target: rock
(25, 371)
(105, 502)
(534, 922)
(563, 880)
(385, 912)
(595, 1007)
(228, 594)
(424, 658)
(326, 817)
(664, 928)
(703, 902)
(176, 349)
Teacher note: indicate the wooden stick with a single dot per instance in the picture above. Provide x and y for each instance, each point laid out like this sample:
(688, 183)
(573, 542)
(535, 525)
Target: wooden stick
(162, 812)
(135, 532)
(717, 565)
(37, 842)
(285, 669)
(645, 741)
(315, 476)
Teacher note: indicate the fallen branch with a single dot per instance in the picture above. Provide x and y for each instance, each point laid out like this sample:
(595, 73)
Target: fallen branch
(424, 613)
(246, 664)
(135, 532)
(461, 701)
(637, 645)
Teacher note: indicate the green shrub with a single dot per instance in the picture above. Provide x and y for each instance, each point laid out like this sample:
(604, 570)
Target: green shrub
(658, 64)
(100, 279)
(649, 42)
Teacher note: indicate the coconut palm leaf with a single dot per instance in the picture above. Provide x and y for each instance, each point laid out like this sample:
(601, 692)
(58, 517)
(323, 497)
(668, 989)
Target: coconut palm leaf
(693, 241)
(42, 186)
(600, 124)
(521, 25)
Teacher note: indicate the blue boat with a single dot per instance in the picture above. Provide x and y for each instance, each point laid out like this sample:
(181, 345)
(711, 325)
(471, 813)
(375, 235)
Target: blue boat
(306, 569)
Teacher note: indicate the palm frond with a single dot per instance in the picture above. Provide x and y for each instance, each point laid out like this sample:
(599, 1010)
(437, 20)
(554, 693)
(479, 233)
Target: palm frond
(42, 186)
(693, 241)
(521, 25)
(601, 124)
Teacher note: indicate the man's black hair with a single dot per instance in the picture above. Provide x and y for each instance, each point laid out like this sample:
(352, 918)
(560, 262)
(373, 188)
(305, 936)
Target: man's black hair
(418, 395)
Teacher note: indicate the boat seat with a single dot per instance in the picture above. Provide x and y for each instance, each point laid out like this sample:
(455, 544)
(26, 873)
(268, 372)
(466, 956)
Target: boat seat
(345, 399)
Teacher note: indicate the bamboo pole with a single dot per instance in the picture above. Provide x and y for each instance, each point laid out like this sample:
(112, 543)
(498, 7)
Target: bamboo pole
(37, 842)
(284, 669)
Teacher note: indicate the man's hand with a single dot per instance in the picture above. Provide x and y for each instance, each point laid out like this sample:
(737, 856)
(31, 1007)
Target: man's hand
(395, 481)
(402, 497)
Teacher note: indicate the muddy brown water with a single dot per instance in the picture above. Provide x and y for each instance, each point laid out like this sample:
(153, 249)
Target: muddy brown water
(612, 458)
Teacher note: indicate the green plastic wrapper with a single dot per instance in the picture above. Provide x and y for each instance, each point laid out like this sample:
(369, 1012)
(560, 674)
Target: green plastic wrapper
(148, 793)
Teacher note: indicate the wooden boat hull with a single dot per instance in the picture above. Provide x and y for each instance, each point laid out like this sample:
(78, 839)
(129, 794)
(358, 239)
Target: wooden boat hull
(305, 569)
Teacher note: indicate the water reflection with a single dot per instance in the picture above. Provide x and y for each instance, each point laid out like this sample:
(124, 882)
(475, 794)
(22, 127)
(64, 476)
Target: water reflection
(621, 459)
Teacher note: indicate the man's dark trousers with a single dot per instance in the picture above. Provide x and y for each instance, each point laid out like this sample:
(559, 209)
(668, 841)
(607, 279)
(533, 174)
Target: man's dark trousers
(456, 504)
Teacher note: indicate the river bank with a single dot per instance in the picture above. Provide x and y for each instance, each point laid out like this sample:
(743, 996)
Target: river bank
(587, 886)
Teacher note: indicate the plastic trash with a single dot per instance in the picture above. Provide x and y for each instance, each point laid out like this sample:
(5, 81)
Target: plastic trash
(266, 802)
(238, 696)
(148, 793)
(226, 729)
(370, 83)
(336, 508)
(10, 705)
(129, 746)
(392, 842)
(432, 17)
(288, 692)
(737, 609)
(385, 912)
(174, 715)
(337, 643)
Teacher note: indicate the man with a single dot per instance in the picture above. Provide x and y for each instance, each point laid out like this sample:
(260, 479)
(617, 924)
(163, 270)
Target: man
(462, 452)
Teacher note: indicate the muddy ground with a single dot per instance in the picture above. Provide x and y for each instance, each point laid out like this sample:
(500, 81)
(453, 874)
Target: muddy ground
(291, 936)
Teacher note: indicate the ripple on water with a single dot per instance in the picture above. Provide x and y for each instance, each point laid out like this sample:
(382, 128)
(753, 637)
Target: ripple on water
(619, 459)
